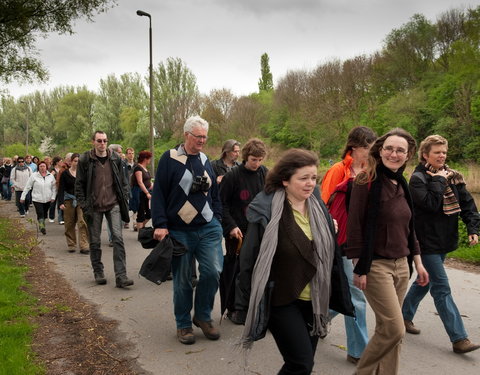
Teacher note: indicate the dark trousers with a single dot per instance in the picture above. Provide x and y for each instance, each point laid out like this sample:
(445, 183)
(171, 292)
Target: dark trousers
(42, 210)
(20, 205)
(290, 326)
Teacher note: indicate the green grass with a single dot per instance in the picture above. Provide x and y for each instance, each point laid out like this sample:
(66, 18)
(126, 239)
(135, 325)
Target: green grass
(465, 252)
(16, 306)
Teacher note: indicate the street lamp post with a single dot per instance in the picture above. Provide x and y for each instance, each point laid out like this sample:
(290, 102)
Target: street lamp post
(152, 163)
(26, 124)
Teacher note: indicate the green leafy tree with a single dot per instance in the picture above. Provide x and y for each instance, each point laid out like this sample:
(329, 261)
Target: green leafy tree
(73, 117)
(266, 80)
(176, 96)
(115, 96)
(23, 22)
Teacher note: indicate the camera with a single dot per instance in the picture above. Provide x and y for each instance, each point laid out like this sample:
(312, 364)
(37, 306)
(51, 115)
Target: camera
(200, 183)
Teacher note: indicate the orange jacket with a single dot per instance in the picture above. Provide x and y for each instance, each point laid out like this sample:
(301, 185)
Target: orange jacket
(339, 172)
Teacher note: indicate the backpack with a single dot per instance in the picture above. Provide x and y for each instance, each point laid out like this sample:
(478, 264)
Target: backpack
(338, 206)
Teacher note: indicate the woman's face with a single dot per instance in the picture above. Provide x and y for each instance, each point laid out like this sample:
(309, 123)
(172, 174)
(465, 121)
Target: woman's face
(42, 168)
(301, 184)
(394, 152)
(360, 154)
(74, 163)
(437, 156)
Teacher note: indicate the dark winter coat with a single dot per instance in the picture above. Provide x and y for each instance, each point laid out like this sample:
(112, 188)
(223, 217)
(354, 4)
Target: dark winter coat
(437, 232)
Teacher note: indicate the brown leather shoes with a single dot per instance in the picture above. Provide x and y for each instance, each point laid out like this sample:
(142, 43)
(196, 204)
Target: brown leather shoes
(464, 346)
(186, 336)
(352, 359)
(410, 327)
(208, 329)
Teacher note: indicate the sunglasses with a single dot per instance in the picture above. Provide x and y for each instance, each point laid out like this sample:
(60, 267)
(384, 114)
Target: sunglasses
(101, 140)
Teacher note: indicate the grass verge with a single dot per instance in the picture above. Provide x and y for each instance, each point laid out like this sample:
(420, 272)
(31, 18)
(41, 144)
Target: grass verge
(16, 305)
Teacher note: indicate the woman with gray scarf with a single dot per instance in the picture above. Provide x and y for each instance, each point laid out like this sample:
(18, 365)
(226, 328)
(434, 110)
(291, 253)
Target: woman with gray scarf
(286, 263)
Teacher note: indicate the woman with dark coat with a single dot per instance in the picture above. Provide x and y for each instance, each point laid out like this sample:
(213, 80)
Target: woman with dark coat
(439, 197)
(287, 259)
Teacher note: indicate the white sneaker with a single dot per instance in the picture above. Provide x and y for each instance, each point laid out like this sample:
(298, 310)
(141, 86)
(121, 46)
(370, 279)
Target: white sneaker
(51, 220)
(22, 215)
(60, 222)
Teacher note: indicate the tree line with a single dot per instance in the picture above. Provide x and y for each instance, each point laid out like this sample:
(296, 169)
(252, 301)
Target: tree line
(425, 78)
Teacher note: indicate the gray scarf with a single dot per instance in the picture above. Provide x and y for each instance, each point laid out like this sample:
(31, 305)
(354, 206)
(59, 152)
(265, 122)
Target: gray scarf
(320, 284)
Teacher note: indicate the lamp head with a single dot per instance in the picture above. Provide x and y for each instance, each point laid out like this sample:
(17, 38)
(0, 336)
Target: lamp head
(142, 13)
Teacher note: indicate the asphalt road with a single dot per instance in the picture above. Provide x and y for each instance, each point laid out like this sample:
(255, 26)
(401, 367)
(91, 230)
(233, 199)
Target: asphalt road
(146, 318)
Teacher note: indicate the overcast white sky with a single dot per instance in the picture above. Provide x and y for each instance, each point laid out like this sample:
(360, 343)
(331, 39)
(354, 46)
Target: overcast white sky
(221, 41)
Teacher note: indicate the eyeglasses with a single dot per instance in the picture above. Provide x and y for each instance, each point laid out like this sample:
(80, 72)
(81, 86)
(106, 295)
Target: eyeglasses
(202, 137)
(101, 140)
(390, 150)
(20, 161)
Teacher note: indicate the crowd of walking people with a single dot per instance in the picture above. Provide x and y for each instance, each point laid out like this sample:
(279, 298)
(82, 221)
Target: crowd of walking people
(288, 253)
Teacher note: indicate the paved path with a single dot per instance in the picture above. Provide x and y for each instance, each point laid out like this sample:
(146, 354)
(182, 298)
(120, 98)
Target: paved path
(145, 315)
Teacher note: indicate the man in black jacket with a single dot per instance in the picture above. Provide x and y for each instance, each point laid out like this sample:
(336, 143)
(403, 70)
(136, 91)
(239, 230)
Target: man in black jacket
(101, 189)
(439, 195)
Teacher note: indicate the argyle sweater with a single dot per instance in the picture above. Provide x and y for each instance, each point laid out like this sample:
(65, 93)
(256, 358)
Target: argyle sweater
(172, 204)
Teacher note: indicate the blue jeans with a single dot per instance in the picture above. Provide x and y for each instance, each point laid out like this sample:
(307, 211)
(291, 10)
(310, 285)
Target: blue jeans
(442, 297)
(205, 245)
(355, 328)
(94, 232)
(6, 191)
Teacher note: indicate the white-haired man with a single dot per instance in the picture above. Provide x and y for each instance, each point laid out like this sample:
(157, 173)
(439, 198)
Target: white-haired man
(186, 206)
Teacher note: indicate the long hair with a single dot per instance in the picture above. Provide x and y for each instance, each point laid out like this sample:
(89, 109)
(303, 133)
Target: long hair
(286, 167)
(359, 136)
(374, 158)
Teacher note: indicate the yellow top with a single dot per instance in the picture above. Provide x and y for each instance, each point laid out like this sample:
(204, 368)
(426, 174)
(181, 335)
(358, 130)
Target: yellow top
(304, 223)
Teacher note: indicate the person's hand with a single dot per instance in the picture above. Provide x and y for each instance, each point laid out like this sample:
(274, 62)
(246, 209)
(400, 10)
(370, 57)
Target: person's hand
(335, 224)
(160, 233)
(62, 206)
(440, 172)
(149, 196)
(22, 201)
(236, 233)
(473, 239)
(219, 179)
(360, 281)
(422, 278)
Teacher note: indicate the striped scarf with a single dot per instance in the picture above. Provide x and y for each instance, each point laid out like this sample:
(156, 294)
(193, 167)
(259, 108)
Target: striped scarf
(450, 202)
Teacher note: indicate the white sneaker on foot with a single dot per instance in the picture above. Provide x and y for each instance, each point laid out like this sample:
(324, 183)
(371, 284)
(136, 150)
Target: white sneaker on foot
(51, 220)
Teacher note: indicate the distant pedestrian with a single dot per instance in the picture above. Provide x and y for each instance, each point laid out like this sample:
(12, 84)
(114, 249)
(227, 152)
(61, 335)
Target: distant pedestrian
(440, 196)
(228, 159)
(186, 206)
(142, 183)
(43, 187)
(101, 189)
(72, 212)
(55, 169)
(6, 169)
(19, 178)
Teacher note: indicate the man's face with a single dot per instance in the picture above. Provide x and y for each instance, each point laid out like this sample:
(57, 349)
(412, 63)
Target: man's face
(130, 155)
(28, 159)
(195, 140)
(233, 155)
(100, 143)
(21, 162)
